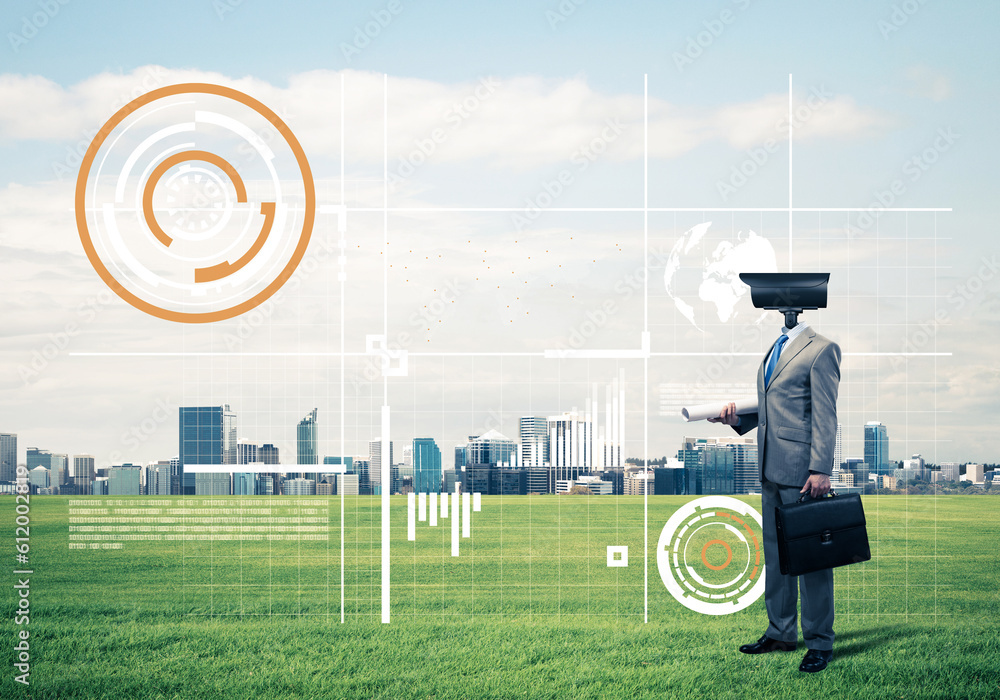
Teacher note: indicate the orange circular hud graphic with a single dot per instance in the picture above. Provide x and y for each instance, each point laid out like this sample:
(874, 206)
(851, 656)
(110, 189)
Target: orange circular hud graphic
(247, 228)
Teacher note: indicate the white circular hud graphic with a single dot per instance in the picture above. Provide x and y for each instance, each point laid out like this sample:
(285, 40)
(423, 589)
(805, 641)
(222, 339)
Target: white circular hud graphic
(710, 558)
(195, 203)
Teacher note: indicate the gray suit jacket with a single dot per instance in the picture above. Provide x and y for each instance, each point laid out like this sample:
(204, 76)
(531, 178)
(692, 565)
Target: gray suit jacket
(797, 412)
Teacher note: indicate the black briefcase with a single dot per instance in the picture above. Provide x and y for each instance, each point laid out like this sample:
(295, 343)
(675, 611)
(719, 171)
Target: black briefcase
(821, 534)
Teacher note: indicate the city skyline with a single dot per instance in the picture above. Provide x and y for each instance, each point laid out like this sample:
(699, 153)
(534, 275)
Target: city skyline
(667, 148)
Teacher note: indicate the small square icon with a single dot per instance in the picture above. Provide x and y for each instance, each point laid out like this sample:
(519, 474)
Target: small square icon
(618, 556)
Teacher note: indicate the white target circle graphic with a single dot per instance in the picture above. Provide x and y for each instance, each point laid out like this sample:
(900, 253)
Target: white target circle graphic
(195, 203)
(711, 557)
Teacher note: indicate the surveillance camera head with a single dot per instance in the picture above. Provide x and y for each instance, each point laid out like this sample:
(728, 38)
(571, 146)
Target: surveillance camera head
(787, 292)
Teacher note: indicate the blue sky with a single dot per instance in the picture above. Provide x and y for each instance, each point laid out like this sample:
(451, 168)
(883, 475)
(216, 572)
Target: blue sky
(899, 73)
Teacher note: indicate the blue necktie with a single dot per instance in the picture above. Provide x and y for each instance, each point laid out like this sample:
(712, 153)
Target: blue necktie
(773, 362)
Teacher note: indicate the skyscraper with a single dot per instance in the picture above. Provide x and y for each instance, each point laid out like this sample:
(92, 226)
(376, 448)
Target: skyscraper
(376, 463)
(719, 465)
(84, 474)
(877, 448)
(305, 435)
(426, 466)
(207, 436)
(534, 441)
(38, 458)
(8, 457)
(158, 479)
(838, 448)
(39, 478)
(60, 470)
(857, 468)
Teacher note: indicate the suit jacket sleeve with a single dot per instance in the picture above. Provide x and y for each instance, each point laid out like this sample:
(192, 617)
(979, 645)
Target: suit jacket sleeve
(824, 380)
(748, 421)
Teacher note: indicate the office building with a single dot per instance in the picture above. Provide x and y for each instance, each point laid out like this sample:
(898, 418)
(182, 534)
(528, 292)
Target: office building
(207, 435)
(492, 447)
(950, 471)
(362, 467)
(877, 448)
(460, 456)
(841, 479)
(158, 479)
(244, 484)
(426, 466)
(300, 487)
(838, 448)
(247, 452)
(615, 477)
(534, 435)
(306, 439)
(669, 480)
(571, 448)
(347, 462)
(719, 465)
(376, 463)
(917, 466)
(84, 473)
(639, 483)
(125, 480)
(539, 479)
(347, 484)
(8, 457)
(485, 454)
(974, 473)
(451, 478)
(594, 484)
(38, 458)
(101, 486)
(859, 469)
(268, 454)
(39, 478)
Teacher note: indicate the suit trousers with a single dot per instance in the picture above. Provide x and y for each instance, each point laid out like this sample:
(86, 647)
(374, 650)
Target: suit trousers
(781, 591)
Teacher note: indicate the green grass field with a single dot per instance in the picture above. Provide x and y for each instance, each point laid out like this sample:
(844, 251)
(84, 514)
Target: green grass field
(528, 610)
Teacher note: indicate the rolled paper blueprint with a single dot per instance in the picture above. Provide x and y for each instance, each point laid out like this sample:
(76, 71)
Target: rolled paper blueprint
(712, 410)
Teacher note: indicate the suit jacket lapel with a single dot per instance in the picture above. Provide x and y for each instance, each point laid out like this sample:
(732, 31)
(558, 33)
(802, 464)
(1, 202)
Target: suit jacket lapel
(791, 349)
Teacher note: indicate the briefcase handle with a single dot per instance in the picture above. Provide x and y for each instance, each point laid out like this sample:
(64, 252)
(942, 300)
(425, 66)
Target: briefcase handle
(831, 494)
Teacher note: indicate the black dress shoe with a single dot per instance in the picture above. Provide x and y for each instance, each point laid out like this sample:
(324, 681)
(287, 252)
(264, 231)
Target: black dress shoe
(765, 644)
(815, 660)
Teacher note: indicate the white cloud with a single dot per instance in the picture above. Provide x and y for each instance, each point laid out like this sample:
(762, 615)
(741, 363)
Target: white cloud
(929, 83)
(515, 122)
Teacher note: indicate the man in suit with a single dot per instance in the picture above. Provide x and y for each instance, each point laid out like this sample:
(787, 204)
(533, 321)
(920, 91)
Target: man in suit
(796, 423)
